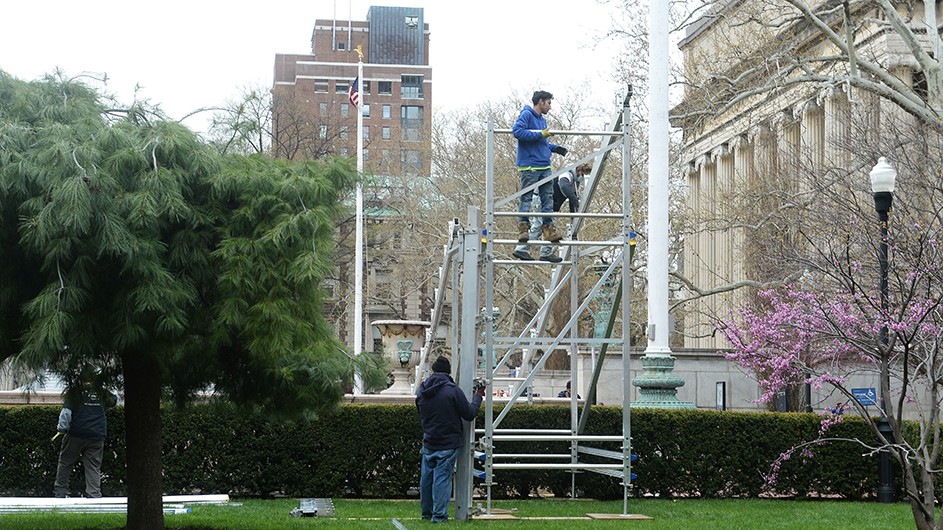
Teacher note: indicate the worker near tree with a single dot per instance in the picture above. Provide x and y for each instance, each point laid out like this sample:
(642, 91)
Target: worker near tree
(442, 408)
(83, 426)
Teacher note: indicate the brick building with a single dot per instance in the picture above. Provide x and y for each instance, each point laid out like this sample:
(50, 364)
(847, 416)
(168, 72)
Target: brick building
(312, 118)
(312, 114)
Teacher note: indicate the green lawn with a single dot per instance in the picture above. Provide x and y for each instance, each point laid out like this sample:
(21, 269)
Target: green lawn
(368, 514)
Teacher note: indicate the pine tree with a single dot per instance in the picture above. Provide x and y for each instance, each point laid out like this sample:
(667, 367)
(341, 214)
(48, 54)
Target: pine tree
(130, 247)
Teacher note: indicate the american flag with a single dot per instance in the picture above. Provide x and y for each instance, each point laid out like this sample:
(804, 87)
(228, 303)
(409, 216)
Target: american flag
(354, 95)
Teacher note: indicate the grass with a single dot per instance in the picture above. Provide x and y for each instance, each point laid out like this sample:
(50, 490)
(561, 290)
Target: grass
(727, 514)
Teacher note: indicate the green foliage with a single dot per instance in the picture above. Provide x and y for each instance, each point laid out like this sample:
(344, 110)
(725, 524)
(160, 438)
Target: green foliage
(372, 451)
(124, 236)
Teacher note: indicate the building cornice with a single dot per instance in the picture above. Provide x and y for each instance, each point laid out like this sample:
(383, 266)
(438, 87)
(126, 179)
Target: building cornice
(714, 14)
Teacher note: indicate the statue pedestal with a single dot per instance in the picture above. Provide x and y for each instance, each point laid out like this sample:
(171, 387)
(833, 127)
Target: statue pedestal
(402, 340)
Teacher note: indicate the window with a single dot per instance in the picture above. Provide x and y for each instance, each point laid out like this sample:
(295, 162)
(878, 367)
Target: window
(386, 133)
(321, 85)
(387, 112)
(383, 288)
(366, 86)
(343, 133)
(345, 109)
(322, 132)
(343, 151)
(366, 154)
(412, 22)
(386, 155)
(341, 46)
(366, 111)
(341, 87)
(411, 122)
(385, 87)
(322, 108)
(411, 87)
(411, 161)
(366, 133)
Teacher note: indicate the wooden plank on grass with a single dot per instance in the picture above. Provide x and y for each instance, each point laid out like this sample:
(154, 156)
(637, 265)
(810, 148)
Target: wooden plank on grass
(631, 516)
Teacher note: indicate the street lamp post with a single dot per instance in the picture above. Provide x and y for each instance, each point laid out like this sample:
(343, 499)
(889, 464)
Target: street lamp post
(883, 176)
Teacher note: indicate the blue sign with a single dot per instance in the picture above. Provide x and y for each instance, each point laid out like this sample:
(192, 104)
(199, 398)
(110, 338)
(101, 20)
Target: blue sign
(865, 396)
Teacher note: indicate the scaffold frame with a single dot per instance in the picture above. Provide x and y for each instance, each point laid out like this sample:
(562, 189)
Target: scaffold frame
(469, 260)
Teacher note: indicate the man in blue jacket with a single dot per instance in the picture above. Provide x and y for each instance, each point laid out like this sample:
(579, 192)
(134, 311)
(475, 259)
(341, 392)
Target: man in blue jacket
(533, 163)
(442, 407)
(83, 423)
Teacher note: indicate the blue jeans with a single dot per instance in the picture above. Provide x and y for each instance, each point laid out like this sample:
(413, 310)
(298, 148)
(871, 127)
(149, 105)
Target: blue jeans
(545, 191)
(435, 483)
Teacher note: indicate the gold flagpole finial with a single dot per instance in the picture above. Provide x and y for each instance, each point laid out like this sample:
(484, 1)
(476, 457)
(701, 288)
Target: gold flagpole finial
(360, 51)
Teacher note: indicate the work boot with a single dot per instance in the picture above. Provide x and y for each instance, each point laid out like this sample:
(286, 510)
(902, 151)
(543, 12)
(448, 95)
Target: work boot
(522, 255)
(552, 258)
(550, 233)
(523, 231)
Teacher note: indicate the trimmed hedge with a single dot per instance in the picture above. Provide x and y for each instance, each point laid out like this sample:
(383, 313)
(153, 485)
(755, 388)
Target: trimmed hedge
(372, 451)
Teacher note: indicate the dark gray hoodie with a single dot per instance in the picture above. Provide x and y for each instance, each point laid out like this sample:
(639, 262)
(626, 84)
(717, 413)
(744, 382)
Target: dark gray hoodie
(442, 407)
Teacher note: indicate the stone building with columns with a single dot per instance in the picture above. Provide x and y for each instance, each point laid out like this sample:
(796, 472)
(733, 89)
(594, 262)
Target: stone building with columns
(748, 152)
(768, 109)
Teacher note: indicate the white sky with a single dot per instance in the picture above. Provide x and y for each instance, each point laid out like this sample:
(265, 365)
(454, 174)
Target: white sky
(197, 53)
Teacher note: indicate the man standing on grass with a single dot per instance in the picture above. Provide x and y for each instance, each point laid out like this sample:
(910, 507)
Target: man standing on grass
(83, 425)
(442, 407)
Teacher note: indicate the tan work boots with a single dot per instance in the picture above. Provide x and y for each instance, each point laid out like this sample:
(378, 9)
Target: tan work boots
(550, 233)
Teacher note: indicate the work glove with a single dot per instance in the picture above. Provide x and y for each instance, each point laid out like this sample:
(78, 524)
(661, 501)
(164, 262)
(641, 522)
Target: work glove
(545, 133)
(479, 388)
(560, 150)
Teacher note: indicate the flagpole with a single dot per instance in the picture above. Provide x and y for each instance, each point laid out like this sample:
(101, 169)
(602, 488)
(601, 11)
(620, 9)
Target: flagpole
(358, 269)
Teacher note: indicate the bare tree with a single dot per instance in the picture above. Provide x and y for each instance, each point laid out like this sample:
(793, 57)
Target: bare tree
(801, 207)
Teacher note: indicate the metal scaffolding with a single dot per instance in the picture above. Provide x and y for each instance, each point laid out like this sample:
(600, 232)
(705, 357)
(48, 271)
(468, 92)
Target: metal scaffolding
(469, 260)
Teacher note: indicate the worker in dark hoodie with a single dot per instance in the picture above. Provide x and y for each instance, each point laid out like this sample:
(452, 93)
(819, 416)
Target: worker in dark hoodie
(442, 407)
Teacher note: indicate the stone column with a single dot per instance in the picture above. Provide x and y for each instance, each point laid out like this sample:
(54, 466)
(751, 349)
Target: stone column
(743, 173)
(788, 139)
(724, 256)
(765, 166)
(764, 151)
(813, 136)
(837, 128)
(691, 244)
(705, 260)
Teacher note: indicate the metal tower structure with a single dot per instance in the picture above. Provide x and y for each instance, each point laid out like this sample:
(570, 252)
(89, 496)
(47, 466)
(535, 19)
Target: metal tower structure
(471, 264)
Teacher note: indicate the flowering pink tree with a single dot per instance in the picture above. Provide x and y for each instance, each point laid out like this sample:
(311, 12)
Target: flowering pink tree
(796, 335)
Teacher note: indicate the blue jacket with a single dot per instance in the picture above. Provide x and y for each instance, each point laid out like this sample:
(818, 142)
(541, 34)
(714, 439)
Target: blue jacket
(442, 407)
(533, 150)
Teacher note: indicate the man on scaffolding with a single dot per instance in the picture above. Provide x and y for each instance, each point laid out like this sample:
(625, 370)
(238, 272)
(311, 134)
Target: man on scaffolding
(533, 163)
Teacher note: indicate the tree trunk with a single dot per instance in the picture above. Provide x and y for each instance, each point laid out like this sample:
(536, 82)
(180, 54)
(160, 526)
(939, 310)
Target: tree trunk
(143, 431)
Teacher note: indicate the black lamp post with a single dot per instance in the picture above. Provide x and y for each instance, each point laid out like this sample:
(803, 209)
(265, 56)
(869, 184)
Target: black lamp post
(882, 186)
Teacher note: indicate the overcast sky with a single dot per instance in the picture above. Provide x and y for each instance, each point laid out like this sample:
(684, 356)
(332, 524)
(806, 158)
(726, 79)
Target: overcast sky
(197, 53)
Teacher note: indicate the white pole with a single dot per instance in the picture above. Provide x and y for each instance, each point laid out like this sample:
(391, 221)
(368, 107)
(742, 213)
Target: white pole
(658, 332)
(358, 269)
